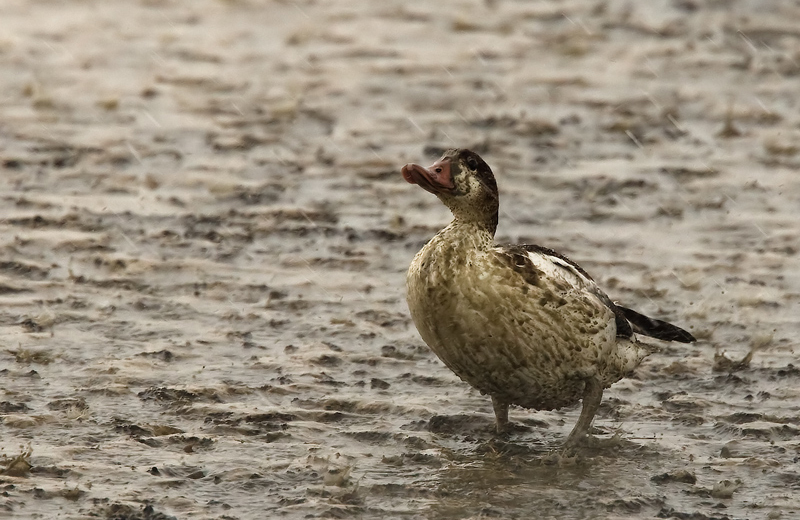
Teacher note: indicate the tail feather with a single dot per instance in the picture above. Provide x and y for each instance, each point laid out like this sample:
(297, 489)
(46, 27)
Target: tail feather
(656, 328)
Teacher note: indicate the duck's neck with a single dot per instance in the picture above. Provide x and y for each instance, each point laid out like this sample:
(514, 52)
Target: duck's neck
(470, 234)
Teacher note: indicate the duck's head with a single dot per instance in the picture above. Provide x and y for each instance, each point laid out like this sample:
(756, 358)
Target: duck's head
(463, 182)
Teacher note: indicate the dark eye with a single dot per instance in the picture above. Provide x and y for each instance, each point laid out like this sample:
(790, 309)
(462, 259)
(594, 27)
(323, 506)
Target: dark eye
(472, 164)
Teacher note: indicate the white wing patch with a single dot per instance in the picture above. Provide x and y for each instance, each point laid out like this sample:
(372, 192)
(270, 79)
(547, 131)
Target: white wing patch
(555, 267)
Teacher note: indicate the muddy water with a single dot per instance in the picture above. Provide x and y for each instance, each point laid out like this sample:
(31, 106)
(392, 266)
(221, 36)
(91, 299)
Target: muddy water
(204, 237)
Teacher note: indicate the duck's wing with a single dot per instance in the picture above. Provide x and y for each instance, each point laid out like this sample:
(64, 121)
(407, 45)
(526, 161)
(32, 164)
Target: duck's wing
(655, 328)
(540, 265)
(547, 268)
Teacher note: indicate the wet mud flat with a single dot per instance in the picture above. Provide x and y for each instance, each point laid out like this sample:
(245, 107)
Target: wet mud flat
(204, 237)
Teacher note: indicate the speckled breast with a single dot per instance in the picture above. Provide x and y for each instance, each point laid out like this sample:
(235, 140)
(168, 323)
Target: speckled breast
(503, 340)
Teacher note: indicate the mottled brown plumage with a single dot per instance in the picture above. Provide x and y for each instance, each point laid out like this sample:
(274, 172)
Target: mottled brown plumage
(523, 324)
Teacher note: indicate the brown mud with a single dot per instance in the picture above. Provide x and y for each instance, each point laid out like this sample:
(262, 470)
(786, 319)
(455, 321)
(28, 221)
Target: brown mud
(204, 237)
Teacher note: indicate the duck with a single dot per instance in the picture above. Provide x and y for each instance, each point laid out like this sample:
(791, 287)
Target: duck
(522, 323)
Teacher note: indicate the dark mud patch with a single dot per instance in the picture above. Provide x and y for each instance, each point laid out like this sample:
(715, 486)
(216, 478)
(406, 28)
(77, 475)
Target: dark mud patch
(119, 511)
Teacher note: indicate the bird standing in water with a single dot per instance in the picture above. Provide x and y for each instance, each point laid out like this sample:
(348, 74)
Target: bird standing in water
(521, 323)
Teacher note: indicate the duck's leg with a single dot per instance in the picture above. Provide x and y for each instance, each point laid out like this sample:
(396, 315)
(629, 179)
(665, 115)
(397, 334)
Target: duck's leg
(501, 414)
(592, 395)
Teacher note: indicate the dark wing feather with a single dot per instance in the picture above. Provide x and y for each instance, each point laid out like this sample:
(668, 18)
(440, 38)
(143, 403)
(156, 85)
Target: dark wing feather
(655, 328)
(624, 329)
